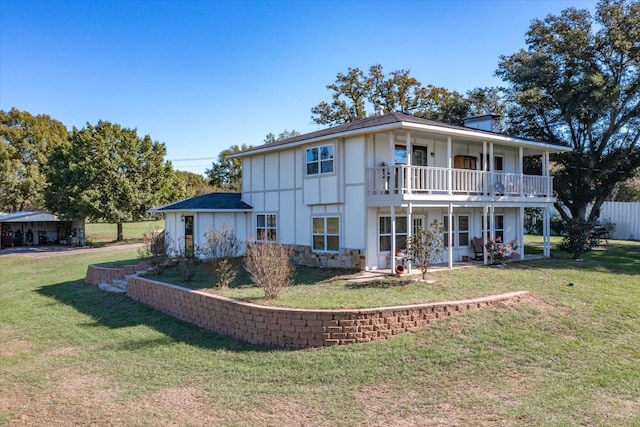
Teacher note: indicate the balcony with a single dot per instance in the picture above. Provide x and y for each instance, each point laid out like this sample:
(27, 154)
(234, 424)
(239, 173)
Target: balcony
(410, 181)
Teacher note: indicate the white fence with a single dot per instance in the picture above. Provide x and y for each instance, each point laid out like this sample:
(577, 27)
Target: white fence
(626, 217)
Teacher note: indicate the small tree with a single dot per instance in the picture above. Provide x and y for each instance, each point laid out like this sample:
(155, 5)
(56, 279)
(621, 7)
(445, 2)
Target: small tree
(154, 249)
(223, 249)
(426, 247)
(269, 266)
(577, 238)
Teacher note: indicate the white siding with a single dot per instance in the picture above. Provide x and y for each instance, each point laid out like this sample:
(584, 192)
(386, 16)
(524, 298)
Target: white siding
(272, 168)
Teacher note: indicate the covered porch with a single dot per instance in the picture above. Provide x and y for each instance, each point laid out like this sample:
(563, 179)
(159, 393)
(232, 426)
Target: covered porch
(461, 222)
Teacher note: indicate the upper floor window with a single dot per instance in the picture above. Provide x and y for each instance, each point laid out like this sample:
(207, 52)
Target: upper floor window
(320, 159)
(266, 227)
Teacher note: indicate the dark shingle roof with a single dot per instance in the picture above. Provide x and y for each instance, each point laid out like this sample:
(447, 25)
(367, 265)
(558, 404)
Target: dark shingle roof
(208, 202)
(373, 122)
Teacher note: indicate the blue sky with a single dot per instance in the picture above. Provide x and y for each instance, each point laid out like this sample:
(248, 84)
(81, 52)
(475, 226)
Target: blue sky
(201, 76)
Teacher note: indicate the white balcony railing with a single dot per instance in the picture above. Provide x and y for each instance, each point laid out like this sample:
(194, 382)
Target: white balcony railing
(402, 179)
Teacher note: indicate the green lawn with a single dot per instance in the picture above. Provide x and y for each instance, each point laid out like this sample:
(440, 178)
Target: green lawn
(568, 355)
(101, 233)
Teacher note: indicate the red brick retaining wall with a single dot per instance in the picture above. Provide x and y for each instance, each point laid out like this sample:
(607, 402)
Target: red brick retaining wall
(297, 328)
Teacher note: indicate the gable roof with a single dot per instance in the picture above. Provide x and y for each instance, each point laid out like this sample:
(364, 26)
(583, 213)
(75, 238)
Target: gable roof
(212, 202)
(393, 120)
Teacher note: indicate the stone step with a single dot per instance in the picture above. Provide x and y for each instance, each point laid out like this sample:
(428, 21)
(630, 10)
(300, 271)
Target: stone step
(111, 288)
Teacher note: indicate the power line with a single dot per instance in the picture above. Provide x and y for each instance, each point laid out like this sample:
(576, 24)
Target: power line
(194, 159)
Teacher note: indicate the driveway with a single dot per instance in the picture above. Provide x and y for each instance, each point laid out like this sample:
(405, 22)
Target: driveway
(57, 250)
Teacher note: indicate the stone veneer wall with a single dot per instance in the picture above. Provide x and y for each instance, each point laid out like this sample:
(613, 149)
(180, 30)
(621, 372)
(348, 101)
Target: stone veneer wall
(297, 328)
(346, 258)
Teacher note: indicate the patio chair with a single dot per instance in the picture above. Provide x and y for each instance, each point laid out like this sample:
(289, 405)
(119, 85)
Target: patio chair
(478, 248)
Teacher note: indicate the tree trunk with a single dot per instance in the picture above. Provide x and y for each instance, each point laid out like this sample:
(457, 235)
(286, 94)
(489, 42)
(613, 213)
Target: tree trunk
(120, 236)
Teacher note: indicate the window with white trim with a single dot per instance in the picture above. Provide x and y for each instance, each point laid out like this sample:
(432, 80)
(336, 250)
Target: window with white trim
(460, 236)
(320, 160)
(384, 233)
(498, 227)
(326, 233)
(266, 227)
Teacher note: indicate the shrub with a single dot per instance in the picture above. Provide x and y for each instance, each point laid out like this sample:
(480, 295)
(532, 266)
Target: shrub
(499, 252)
(222, 248)
(154, 249)
(578, 237)
(425, 247)
(269, 266)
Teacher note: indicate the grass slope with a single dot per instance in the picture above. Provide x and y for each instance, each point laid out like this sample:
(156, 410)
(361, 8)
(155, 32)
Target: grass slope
(73, 355)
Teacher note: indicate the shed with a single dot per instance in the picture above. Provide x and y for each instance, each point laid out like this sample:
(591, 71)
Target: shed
(32, 228)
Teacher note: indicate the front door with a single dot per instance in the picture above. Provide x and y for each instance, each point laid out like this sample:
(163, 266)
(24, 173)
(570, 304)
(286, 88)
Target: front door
(419, 156)
(188, 235)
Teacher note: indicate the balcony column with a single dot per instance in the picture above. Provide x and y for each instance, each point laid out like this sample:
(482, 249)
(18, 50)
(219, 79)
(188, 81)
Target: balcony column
(450, 234)
(409, 175)
(449, 166)
(492, 179)
(485, 167)
(392, 178)
(547, 173)
(521, 171)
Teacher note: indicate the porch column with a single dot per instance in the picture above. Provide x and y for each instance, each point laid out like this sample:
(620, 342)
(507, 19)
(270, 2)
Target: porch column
(409, 173)
(485, 232)
(409, 230)
(449, 166)
(546, 228)
(521, 233)
(450, 234)
(393, 240)
(492, 222)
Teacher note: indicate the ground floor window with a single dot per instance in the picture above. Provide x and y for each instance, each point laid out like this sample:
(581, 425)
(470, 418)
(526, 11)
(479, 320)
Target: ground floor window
(498, 227)
(266, 227)
(384, 233)
(326, 234)
(460, 236)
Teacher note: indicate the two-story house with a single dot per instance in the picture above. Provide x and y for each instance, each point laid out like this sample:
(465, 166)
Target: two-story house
(352, 194)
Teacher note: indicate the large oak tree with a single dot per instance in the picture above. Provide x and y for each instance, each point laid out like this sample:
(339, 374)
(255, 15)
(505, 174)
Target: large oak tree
(397, 90)
(26, 141)
(578, 84)
(107, 173)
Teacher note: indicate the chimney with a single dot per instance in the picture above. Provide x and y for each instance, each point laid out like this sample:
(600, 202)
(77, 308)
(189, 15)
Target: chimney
(489, 121)
(379, 110)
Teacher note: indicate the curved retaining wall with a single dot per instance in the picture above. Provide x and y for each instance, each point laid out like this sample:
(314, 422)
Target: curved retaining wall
(297, 328)
(96, 275)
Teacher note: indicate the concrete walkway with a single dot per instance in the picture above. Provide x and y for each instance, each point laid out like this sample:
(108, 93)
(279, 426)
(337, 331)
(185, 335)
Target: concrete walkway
(370, 275)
